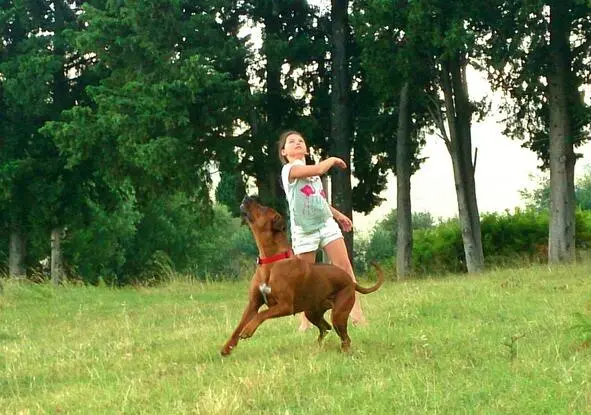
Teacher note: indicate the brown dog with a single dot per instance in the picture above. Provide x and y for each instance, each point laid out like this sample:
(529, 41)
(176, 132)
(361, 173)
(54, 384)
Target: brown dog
(289, 285)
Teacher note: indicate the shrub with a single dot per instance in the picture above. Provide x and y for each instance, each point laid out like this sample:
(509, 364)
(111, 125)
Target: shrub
(438, 250)
(226, 248)
(101, 248)
(507, 239)
(583, 229)
(521, 235)
(381, 244)
(173, 234)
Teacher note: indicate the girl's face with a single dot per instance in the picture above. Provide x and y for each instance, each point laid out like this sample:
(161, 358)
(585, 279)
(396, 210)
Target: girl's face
(294, 148)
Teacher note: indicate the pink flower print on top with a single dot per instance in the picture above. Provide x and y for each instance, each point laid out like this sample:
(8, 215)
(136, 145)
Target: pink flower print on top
(307, 190)
(308, 206)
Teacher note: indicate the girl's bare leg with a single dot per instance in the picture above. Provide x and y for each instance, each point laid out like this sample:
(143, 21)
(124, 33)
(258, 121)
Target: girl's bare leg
(337, 252)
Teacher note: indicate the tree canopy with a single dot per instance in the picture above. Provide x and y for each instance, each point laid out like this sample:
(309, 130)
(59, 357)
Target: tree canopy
(114, 115)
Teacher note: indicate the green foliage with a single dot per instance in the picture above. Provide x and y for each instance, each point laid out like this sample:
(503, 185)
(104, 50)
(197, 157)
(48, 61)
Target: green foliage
(168, 235)
(225, 249)
(522, 234)
(583, 229)
(36, 192)
(112, 114)
(159, 113)
(439, 249)
(583, 190)
(290, 91)
(382, 61)
(171, 234)
(4, 254)
(381, 243)
(508, 239)
(539, 197)
(230, 191)
(100, 247)
(517, 58)
(164, 96)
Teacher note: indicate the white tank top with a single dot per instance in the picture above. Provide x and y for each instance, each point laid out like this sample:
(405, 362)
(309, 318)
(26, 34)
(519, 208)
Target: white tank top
(308, 208)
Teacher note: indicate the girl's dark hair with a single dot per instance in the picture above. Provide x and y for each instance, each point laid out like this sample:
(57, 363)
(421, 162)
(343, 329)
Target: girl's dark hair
(281, 143)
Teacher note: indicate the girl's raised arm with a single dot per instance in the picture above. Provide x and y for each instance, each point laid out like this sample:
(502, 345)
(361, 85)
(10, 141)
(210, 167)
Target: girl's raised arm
(316, 169)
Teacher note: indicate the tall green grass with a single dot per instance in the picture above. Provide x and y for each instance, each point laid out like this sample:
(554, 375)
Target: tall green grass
(502, 342)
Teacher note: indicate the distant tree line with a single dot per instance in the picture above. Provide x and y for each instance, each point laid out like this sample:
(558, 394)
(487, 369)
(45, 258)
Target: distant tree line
(515, 237)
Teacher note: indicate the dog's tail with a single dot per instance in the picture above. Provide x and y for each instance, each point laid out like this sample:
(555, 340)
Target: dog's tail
(377, 285)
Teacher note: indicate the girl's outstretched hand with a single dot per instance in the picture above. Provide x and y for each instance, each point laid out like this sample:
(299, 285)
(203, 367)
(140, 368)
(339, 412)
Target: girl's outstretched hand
(339, 162)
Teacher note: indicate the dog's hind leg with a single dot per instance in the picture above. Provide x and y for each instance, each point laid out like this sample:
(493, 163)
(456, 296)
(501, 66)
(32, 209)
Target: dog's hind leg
(340, 314)
(317, 318)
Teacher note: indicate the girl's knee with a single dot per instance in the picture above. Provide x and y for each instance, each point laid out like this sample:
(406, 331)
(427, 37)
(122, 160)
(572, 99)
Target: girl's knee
(346, 266)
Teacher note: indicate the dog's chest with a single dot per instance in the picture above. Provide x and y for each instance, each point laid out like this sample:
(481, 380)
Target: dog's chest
(265, 291)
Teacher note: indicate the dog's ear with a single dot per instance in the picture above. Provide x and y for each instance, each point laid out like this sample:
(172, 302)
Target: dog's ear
(278, 223)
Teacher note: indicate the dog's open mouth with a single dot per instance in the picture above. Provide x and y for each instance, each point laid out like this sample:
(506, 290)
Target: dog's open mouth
(244, 218)
(244, 214)
(249, 203)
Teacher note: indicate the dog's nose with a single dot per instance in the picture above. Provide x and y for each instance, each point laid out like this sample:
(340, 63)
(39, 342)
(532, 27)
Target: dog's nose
(247, 200)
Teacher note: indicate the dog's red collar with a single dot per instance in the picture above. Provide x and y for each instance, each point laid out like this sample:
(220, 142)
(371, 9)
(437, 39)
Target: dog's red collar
(274, 258)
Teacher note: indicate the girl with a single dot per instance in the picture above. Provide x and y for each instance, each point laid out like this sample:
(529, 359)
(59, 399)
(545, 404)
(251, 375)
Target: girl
(312, 219)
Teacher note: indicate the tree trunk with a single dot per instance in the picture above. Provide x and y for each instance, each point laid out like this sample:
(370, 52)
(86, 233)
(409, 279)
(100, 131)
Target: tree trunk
(56, 256)
(340, 112)
(561, 245)
(269, 173)
(403, 173)
(16, 255)
(269, 188)
(271, 120)
(460, 147)
(326, 186)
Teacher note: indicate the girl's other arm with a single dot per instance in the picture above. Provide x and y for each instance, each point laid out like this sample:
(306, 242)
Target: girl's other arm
(342, 219)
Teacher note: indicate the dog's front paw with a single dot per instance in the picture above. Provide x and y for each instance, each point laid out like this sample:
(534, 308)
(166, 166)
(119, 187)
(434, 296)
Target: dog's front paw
(226, 350)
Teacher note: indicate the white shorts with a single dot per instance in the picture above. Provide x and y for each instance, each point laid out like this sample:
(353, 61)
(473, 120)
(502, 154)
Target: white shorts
(308, 242)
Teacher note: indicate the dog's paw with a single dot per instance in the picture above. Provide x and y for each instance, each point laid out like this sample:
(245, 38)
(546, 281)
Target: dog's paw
(226, 350)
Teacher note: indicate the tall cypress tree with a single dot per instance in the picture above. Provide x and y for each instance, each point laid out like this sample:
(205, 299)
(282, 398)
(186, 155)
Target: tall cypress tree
(538, 55)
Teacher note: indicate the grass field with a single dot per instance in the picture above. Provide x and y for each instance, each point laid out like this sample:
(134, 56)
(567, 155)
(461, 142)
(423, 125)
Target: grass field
(501, 342)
